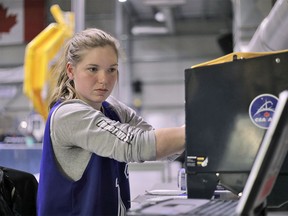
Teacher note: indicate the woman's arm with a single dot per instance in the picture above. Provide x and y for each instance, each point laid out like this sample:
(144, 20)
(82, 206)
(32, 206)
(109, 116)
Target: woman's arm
(169, 141)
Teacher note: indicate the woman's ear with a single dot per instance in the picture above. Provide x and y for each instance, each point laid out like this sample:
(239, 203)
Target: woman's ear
(70, 70)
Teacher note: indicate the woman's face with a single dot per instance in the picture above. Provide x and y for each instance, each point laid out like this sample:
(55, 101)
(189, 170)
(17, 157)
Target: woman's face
(95, 76)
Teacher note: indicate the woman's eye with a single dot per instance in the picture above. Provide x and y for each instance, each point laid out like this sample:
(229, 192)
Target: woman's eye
(112, 70)
(93, 69)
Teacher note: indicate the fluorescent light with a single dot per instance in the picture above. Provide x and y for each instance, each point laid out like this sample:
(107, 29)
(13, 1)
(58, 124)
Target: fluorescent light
(137, 30)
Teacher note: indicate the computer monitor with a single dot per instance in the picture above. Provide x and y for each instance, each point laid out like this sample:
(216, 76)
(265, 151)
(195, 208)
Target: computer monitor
(228, 107)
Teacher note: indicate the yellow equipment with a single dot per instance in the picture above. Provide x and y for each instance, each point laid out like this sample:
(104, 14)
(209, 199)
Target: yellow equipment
(39, 54)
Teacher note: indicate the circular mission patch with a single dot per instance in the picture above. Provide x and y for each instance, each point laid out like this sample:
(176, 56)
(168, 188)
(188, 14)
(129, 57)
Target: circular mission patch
(261, 110)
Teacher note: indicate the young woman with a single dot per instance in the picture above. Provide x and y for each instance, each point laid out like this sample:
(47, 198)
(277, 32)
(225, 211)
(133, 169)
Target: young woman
(90, 136)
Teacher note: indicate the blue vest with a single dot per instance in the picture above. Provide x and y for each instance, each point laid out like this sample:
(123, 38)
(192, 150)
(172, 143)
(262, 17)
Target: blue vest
(97, 192)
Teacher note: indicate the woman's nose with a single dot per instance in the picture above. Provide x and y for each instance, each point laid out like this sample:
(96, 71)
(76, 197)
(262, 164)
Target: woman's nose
(102, 76)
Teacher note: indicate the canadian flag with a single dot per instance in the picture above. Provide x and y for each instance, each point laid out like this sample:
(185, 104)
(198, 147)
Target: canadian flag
(20, 20)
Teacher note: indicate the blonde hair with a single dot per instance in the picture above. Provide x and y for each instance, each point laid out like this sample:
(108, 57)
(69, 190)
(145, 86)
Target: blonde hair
(73, 52)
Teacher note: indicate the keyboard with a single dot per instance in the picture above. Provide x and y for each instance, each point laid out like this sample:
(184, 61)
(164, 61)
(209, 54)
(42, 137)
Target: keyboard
(216, 208)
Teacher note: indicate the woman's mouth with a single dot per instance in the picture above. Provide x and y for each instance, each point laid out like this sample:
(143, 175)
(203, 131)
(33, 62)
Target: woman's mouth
(103, 91)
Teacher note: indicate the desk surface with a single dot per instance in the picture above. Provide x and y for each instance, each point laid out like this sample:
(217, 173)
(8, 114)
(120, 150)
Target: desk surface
(151, 198)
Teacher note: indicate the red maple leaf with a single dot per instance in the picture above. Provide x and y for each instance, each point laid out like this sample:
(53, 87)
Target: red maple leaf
(6, 21)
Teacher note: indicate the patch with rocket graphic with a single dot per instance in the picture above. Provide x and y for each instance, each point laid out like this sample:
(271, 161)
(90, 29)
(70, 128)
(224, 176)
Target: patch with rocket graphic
(261, 110)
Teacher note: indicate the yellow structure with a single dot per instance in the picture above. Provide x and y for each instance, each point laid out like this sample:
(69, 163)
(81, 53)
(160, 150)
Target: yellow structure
(39, 54)
(238, 55)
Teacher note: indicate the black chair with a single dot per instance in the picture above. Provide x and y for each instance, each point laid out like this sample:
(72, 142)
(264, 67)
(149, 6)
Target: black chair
(26, 185)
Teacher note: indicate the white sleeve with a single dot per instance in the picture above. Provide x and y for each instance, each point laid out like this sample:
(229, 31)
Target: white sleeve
(128, 115)
(75, 123)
